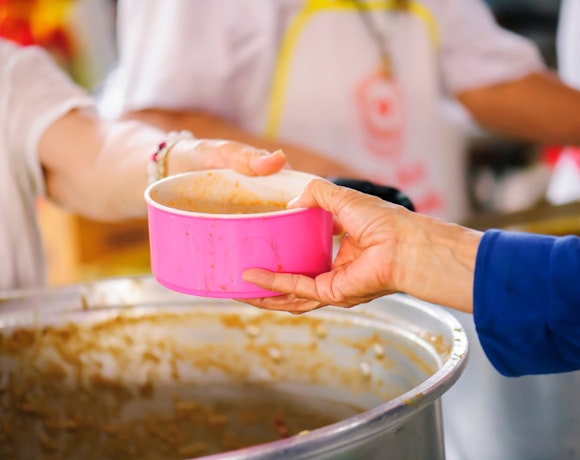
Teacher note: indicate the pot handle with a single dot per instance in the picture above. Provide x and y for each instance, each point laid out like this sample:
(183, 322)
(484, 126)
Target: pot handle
(384, 192)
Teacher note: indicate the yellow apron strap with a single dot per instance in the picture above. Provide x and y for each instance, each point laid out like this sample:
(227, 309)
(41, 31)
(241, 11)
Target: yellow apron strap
(282, 70)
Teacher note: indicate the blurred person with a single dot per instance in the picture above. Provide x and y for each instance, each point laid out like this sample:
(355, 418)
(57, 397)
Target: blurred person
(364, 83)
(53, 143)
(567, 40)
(564, 186)
(523, 289)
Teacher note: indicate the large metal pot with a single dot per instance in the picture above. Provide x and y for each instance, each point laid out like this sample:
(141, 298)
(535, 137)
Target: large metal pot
(535, 417)
(124, 368)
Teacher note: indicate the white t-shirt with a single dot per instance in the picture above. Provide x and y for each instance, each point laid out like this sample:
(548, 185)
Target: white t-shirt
(34, 92)
(568, 42)
(307, 72)
(564, 185)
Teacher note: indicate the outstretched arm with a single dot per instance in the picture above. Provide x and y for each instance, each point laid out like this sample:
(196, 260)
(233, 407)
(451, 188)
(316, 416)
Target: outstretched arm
(386, 249)
(538, 107)
(206, 125)
(99, 169)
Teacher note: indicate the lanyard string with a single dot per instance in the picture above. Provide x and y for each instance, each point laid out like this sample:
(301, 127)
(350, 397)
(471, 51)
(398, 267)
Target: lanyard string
(380, 40)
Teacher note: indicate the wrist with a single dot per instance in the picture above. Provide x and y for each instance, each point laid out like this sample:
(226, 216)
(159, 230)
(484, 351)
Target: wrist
(437, 262)
(158, 167)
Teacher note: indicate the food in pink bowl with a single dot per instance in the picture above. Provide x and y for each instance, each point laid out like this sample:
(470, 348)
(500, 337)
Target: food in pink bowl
(207, 227)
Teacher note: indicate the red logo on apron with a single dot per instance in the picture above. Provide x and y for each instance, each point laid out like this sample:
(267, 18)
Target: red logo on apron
(380, 110)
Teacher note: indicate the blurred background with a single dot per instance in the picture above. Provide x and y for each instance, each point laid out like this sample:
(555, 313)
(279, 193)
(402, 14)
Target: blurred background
(508, 180)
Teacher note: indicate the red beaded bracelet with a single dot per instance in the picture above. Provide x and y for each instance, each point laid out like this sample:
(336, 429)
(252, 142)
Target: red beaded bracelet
(157, 168)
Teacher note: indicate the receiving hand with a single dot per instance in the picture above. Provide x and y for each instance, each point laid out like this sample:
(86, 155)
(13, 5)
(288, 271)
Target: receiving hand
(363, 268)
(386, 249)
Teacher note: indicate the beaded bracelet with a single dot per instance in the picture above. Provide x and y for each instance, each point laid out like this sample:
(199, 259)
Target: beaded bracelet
(157, 168)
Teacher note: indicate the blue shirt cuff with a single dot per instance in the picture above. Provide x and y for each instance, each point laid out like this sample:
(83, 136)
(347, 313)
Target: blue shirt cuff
(527, 302)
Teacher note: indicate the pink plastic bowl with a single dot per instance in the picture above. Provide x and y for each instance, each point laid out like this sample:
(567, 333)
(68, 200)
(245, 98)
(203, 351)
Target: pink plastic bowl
(207, 227)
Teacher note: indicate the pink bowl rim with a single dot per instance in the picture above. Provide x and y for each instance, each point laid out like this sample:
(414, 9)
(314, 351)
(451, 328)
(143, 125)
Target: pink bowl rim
(206, 215)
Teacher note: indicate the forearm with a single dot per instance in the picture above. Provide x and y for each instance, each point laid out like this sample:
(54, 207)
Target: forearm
(437, 262)
(98, 169)
(538, 108)
(208, 126)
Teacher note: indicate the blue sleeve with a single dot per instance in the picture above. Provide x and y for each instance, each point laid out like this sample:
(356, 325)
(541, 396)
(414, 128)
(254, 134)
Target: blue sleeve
(526, 302)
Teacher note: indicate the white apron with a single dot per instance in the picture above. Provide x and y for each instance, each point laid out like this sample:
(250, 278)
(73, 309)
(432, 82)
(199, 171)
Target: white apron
(328, 94)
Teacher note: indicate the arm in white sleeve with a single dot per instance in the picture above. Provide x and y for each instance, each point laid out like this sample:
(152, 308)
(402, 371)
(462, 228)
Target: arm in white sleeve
(96, 168)
(476, 51)
(568, 42)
